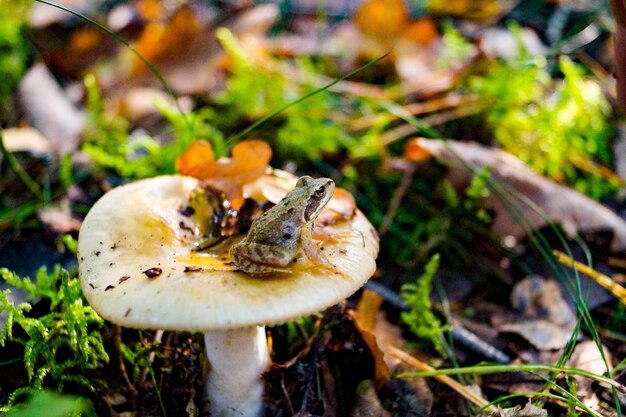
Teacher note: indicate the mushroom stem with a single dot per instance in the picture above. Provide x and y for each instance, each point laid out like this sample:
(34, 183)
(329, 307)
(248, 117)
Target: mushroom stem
(238, 358)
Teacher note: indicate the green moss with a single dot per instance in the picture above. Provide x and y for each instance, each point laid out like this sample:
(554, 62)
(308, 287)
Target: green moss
(62, 345)
(15, 50)
(560, 128)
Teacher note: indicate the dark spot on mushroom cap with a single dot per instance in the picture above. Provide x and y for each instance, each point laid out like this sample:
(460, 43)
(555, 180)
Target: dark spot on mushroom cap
(185, 227)
(153, 272)
(187, 211)
(127, 313)
(124, 278)
(109, 287)
(192, 269)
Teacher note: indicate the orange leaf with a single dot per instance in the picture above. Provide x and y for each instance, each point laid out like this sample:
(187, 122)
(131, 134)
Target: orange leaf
(341, 207)
(382, 373)
(197, 161)
(85, 40)
(150, 9)
(423, 31)
(414, 152)
(382, 20)
(249, 161)
(159, 40)
(367, 309)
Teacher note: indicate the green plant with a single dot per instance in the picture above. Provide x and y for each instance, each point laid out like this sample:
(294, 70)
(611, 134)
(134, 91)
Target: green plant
(305, 132)
(252, 91)
(432, 216)
(420, 318)
(138, 356)
(108, 142)
(455, 47)
(62, 345)
(15, 50)
(51, 404)
(559, 128)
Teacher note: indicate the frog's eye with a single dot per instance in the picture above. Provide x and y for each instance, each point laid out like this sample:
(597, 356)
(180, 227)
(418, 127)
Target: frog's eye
(320, 191)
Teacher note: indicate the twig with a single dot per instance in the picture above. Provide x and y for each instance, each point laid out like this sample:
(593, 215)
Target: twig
(309, 380)
(525, 367)
(619, 44)
(444, 379)
(606, 282)
(120, 356)
(396, 199)
(416, 109)
(157, 338)
(459, 333)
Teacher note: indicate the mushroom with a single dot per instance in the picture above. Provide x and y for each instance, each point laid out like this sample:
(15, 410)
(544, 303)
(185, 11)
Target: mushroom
(139, 269)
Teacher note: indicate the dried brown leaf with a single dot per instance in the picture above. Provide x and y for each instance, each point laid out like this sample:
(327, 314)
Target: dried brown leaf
(573, 210)
(546, 319)
(49, 109)
(164, 40)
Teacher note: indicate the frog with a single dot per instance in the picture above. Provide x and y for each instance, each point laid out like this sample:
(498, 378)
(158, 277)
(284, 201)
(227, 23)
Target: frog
(285, 232)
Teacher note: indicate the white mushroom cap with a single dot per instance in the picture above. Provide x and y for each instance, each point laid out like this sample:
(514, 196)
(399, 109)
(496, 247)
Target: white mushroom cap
(136, 230)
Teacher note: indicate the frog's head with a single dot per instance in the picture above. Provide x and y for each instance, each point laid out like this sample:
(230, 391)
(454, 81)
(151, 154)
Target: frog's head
(319, 191)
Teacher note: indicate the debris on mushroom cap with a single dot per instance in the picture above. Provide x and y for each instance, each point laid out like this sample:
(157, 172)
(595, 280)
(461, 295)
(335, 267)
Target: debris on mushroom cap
(135, 228)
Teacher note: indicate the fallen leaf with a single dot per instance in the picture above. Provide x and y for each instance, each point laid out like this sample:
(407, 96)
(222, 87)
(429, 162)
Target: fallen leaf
(502, 43)
(26, 139)
(166, 40)
(573, 210)
(482, 10)
(422, 31)
(546, 319)
(150, 9)
(49, 109)
(341, 207)
(249, 161)
(414, 152)
(255, 21)
(42, 15)
(197, 161)
(196, 65)
(529, 410)
(367, 402)
(382, 20)
(59, 219)
(368, 309)
(588, 356)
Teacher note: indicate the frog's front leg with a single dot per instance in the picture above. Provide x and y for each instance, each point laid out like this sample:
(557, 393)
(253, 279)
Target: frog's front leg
(313, 252)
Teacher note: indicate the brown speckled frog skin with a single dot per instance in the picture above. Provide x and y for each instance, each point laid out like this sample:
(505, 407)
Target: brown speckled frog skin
(283, 232)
